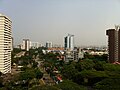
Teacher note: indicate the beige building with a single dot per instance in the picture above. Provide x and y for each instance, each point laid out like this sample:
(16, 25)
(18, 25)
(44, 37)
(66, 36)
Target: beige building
(25, 44)
(5, 44)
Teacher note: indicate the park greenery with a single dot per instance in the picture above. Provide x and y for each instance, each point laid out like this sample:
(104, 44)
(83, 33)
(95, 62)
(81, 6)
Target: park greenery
(91, 73)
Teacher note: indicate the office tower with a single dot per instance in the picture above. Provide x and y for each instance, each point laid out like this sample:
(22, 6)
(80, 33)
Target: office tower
(69, 42)
(48, 44)
(25, 44)
(5, 44)
(114, 44)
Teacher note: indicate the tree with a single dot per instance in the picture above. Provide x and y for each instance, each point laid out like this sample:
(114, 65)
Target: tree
(69, 85)
(34, 64)
(108, 84)
(85, 65)
(44, 88)
(69, 71)
(78, 78)
(38, 73)
(111, 67)
(27, 75)
(91, 77)
(99, 65)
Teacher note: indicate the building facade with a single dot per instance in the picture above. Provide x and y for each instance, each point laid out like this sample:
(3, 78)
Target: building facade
(113, 44)
(69, 42)
(34, 45)
(49, 44)
(5, 44)
(75, 55)
(25, 44)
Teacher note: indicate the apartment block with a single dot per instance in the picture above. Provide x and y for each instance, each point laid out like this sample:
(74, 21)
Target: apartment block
(5, 44)
(25, 44)
(113, 44)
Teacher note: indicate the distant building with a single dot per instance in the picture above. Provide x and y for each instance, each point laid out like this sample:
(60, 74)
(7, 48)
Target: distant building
(25, 44)
(75, 55)
(78, 54)
(49, 44)
(5, 44)
(114, 44)
(69, 56)
(69, 42)
(56, 50)
(57, 46)
(18, 46)
(34, 45)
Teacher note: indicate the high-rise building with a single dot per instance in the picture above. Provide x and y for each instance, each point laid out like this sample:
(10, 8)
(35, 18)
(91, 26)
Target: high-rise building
(49, 44)
(25, 44)
(69, 42)
(114, 44)
(12, 44)
(5, 44)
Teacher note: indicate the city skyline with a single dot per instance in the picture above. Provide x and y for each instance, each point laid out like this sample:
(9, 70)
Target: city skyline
(45, 20)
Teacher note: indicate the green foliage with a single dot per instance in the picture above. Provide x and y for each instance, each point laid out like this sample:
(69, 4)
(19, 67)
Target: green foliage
(85, 65)
(69, 85)
(69, 71)
(27, 75)
(13, 53)
(90, 72)
(16, 50)
(44, 88)
(111, 67)
(93, 74)
(91, 77)
(108, 84)
(99, 65)
(96, 57)
(38, 73)
(24, 68)
(51, 56)
(88, 56)
(34, 64)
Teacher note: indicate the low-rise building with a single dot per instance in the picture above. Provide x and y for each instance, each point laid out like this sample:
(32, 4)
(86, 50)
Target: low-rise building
(74, 55)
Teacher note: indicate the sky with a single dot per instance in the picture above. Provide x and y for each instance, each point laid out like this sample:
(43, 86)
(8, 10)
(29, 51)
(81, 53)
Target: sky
(52, 20)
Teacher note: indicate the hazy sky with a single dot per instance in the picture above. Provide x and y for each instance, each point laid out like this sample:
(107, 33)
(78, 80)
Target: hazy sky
(51, 20)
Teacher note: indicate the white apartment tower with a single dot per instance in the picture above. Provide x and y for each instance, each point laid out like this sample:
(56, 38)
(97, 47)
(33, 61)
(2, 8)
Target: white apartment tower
(25, 44)
(69, 42)
(5, 44)
(49, 44)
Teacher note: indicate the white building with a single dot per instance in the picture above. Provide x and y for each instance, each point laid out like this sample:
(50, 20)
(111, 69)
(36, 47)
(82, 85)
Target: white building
(34, 45)
(69, 42)
(69, 56)
(49, 44)
(75, 55)
(5, 44)
(25, 44)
